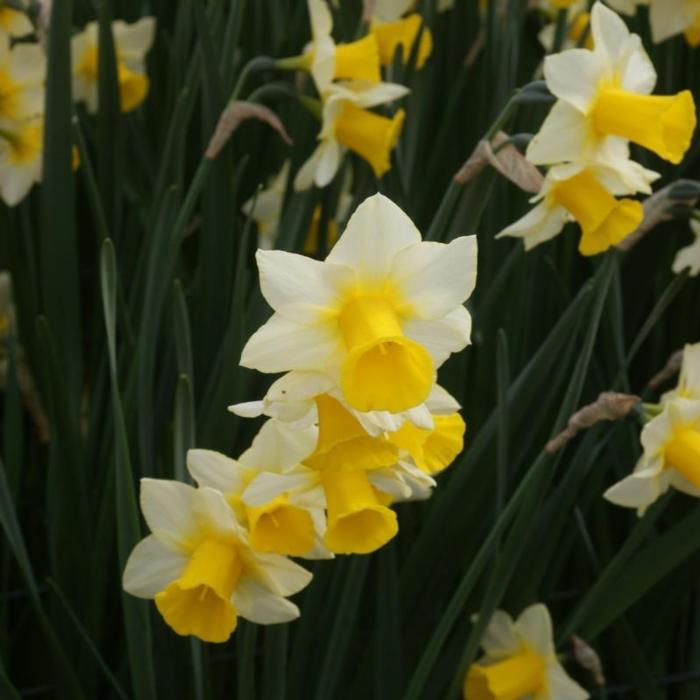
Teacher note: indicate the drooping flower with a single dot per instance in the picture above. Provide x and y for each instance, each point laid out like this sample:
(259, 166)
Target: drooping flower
(604, 97)
(671, 458)
(588, 196)
(131, 43)
(688, 258)
(20, 157)
(520, 661)
(378, 316)
(672, 17)
(199, 567)
(349, 123)
(395, 29)
(22, 75)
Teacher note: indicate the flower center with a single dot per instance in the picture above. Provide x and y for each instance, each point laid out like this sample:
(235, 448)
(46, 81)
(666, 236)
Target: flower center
(516, 677)
(683, 454)
(432, 450)
(370, 135)
(604, 220)
(383, 370)
(357, 521)
(199, 602)
(24, 145)
(281, 527)
(663, 124)
(343, 444)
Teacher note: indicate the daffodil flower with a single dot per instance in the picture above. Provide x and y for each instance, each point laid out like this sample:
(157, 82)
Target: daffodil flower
(671, 458)
(348, 123)
(688, 258)
(20, 157)
(200, 569)
(671, 17)
(520, 661)
(588, 196)
(393, 30)
(14, 24)
(577, 21)
(22, 75)
(131, 43)
(604, 96)
(326, 60)
(379, 315)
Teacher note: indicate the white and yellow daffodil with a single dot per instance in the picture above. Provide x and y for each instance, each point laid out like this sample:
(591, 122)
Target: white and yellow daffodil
(604, 96)
(14, 24)
(689, 378)
(688, 258)
(520, 661)
(587, 195)
(328, 61)
(672, 17)
(394, 28)
(200, 569)
(379, 315)
(577, 21)
(22, 76)
(20, 157)
(349, 123)
(671, 458)
(131, 43)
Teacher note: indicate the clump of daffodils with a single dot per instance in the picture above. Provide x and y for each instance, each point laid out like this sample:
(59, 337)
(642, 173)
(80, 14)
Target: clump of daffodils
(348, 82)
(520, 661)
(670, 441)
(356, 424)
(604, 103)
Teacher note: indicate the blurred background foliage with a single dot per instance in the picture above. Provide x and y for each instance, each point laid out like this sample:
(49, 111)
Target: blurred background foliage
(508, 524)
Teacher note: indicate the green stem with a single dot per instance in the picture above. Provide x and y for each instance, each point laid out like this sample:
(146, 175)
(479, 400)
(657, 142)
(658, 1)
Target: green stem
(560, 30)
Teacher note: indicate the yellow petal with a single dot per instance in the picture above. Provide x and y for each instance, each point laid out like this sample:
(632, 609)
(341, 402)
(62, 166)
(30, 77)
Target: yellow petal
(133, 88)
(683, 454)
(432, 450)
(604, 220)
(518, 676)
(343, 444)
(312, 240)
(383, 370)
(199, 602)
(281, 527)
(10, 96)
(663, 124)
(403, 33)
(358, 60)
(357, 521)
(370, 135)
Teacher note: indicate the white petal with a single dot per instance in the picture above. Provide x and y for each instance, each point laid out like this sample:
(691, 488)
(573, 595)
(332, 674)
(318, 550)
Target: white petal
(540, 224)
(248, 409)
(306, 174)
(678, 481)
(280, 345)
(638, 490)
(258, 605)
(279, 574)
(328, 163)
(321, 18)
(443, 336)
(535, 626)
(134, 40)
(214, 514)
(499, 638)
(299, 386)
(609, 32)
(300, 288)
(574, 75)
(688, 257)
(267, 486)
(167, 507)
(638, 73)
(216, 470)
(373, 94)
(279, 446)
(667, 19)
(562, 137)
(151, 567)
(441, 402)
(434, 278)
(689, 380)
(376, 232)
(561, 687)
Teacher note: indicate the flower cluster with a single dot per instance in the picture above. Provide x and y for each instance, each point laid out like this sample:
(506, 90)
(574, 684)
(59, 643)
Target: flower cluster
(356, 424)
(603, 104)
(22, 79)
(348, 80)
(670, 441)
